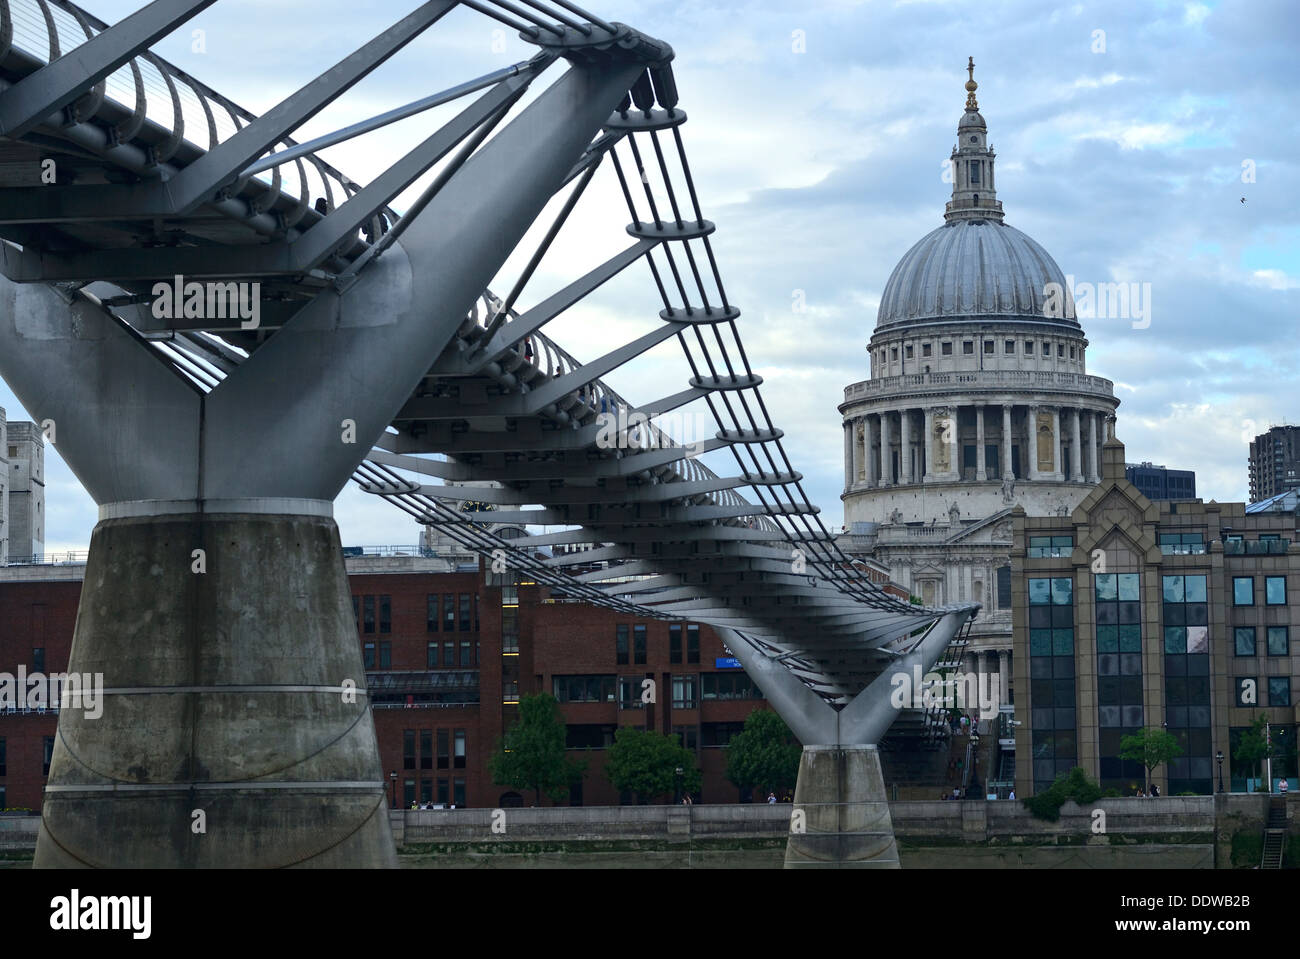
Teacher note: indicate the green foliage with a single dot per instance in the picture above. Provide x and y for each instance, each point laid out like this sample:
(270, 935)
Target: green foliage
(1075, 785)
(1111, 793)
(532, 756)
(1247, 849)
(764, 755)
(645, 763)
(1150, 747)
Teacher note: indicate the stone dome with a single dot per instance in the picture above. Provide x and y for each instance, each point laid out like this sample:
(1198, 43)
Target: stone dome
(971, 268)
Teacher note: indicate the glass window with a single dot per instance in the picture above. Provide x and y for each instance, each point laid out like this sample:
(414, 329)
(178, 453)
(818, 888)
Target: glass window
(621, 644)
(1278, 641)
(1279, 690)
(431, 614)
(385, 614)
(444, 750)
(465, 610)
(408, 749)
(448, 653)
(38, 659)
(988, 346)
(946, 349)
(639, 645)
(907, 350)
(386, 654)
(48, 753)
(1009, 346)
(1195, 588)
(449, 612)
(684, 692)
(1275, 590)
(1047, 349)
(692, 645)
(465, 647)
(458, 757)
(968, 347)
(1029, 347)
(926, 350)
(674, 644)
(458, 793)
(426, 748)
(368, 615)
(1243, 591)
(368, 651)
(1244, 637)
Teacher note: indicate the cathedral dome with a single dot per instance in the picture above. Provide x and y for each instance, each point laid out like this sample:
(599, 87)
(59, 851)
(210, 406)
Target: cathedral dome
(969, 268)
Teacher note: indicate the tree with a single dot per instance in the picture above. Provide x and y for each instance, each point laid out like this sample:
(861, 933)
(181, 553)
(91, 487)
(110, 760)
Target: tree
(1150, 747)
(1075, 785)
(764, 755)
(1253, 746)
(532, 756)
(646, 763)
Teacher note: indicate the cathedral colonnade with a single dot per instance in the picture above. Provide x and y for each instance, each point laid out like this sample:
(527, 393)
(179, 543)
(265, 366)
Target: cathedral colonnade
(917, 444)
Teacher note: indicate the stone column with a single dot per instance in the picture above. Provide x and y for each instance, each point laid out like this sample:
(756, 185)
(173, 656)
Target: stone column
(927, 446)
(980, 473)
(886, 479)
(869, 431)
(954, 448)
(905, 445)
(1057, 472)
(1077, 447)
(1006, 442)
(1031, 430)
(1004, 676)
(850, 449)
(1093, 458)
(858, 423)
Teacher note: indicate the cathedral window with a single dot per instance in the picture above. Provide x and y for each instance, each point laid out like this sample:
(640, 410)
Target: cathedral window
(1060, 351)
(988, 346)
(947, 349)
(1009, 346)
(893, 353)
(975, 172)
(926, 349)
(1047, 349)
(1029, 347)
(968, 347)
(908, 349)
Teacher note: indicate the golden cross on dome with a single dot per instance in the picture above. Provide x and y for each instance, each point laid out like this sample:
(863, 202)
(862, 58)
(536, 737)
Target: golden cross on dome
(971, 86)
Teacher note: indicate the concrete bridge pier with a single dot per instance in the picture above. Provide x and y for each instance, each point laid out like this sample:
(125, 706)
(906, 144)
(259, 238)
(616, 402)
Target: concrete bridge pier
(841, 813)
(234, 731)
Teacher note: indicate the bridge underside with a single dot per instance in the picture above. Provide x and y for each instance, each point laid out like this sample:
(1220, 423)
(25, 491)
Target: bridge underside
(235, 729)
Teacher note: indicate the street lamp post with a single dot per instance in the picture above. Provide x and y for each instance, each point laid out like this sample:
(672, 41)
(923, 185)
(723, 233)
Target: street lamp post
(678, 776)
(974, 761)
(392, 775)
(1218, 757)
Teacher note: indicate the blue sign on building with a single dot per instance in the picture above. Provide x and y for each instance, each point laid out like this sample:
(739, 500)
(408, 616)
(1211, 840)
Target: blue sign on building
(726, 662)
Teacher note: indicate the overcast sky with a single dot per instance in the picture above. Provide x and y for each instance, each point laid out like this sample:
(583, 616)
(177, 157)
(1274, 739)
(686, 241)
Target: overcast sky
(818, 133)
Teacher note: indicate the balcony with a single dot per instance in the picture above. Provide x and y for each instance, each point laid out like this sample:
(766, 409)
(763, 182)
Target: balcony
(1262, 547)
(974, 380)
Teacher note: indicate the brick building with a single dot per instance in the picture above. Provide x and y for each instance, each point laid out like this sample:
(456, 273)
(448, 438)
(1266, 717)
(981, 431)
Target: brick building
(447, 655)
(1175, 615)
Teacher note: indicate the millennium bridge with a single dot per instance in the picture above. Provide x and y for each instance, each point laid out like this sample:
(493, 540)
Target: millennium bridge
(219, 331)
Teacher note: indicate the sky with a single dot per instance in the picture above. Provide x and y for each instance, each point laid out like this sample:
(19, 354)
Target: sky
(1127, 136)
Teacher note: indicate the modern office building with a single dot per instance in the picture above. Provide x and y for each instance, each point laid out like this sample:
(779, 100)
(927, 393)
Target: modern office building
(1274, 462)
(1171, 615)
(1161, 483)
(446, 655)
